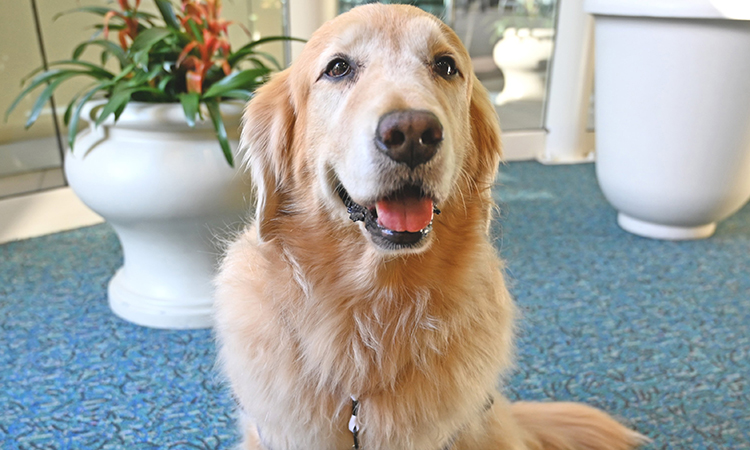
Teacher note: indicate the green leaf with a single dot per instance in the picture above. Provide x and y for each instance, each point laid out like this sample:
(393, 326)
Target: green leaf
(76, 116)
(245, 79)
(141, 59)
(111, 26)
(158, 96)
(144, 15)
(221, 131)
(240, 94)
(248, 48)
(146, 39)
(118, 111)
(269, 57)
(44, 98)
(139, 77)
(40, 79)
(143, 76)
(116, 102)
(109, 46)
(154, 72)
(164, 82)
(100, 10)
(71, 104)
(266, 40)
(191, 105)
(197, 33)
(69, 109)
(124, 72)
(96, 71)
(257, 62)
(167, 12)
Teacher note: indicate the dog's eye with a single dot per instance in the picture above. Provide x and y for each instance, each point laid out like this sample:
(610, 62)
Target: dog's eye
(338, 68)
(445, 66)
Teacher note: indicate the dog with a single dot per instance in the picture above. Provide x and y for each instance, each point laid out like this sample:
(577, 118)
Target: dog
(365, 306)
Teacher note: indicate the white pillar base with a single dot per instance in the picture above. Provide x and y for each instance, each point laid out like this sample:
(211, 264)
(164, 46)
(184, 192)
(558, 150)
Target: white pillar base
(174, 314)
(666, 232)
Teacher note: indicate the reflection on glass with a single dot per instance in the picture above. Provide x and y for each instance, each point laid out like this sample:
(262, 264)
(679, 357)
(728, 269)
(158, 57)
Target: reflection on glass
(266, 19)
(510, 42)
(438, 7)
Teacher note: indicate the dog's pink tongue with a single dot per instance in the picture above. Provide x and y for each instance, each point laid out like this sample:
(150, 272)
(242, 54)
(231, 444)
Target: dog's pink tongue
(404, 213)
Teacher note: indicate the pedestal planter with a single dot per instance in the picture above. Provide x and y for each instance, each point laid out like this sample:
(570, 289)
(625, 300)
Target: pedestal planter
(672, 114)
(171, 197)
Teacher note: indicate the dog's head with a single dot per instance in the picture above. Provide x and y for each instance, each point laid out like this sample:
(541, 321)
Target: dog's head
(381, 120)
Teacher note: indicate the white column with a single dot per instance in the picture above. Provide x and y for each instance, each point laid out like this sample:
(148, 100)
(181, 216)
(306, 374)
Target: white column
(570, 86)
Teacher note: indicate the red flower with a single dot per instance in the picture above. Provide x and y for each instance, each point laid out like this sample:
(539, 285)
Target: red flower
(209, 37)
(131, 22)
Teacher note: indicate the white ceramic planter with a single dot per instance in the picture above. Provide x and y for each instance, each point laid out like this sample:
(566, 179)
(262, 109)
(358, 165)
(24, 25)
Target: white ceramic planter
(672, 114)
(171, 197)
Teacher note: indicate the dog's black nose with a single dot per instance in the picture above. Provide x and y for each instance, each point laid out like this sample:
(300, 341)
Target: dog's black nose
(409, 136)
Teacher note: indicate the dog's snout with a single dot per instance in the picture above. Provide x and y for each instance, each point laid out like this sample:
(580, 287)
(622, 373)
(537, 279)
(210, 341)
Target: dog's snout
(409, 136)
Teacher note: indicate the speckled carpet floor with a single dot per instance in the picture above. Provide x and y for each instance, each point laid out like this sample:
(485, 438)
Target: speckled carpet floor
(657, 333)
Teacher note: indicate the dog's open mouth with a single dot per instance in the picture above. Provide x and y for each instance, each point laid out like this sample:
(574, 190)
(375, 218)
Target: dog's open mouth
(399, 220)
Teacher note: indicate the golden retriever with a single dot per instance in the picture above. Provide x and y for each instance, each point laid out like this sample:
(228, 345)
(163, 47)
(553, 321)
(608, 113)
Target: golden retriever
(365, 307)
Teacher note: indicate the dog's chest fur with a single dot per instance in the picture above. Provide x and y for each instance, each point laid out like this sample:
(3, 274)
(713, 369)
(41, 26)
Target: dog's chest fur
(421, 354)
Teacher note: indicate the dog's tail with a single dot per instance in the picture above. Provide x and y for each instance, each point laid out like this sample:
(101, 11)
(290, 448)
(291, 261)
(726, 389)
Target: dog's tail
(572, 426)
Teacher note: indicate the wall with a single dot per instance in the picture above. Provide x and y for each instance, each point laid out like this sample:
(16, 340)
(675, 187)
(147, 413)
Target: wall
(19, 54)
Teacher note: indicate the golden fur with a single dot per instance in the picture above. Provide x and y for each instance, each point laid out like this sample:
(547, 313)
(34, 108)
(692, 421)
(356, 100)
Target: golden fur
(310, 311)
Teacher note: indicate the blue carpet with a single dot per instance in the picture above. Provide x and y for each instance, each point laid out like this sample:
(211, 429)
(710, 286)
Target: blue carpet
(658, 333)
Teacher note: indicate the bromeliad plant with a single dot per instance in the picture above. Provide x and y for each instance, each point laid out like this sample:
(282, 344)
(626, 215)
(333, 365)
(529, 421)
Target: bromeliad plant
(183, 56)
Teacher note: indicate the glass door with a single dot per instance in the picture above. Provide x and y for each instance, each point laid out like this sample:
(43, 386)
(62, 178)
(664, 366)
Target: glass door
(510, 43)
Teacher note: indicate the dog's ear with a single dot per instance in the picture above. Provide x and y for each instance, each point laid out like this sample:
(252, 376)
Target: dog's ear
(485, 134)
(267, 135)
